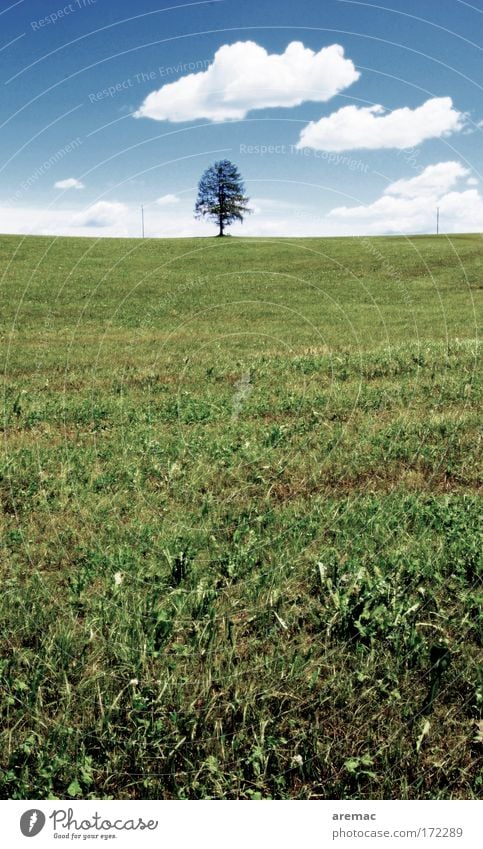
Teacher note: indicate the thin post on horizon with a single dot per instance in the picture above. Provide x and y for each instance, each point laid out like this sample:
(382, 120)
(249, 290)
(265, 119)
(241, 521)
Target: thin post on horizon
(142, 220)
(437, 220)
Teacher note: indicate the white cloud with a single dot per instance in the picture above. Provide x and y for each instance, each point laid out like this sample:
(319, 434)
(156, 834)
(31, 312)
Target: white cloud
(243, 76)
(405, 208)
(434, 180)
(30, 220)
(70, 183)
(370, 127)
(102, 219)
(472, 181)
(101, 214)
(167, 200)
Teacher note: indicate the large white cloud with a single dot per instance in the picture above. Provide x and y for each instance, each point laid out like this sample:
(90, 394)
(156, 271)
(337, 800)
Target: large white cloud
(409, 206)
(372, 128)
(243, 76)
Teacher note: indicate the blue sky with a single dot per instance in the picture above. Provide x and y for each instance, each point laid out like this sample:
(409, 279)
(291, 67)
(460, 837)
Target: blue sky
(368, 137)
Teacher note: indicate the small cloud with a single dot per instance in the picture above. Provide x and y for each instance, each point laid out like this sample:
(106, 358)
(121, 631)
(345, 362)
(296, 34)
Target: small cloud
(372, 128)
(244, 76)
(70, 183)
(101, 214)
(472, 181)
(167, 200)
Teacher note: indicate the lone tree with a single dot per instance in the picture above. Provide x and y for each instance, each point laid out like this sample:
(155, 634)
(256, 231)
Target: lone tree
(221, 195)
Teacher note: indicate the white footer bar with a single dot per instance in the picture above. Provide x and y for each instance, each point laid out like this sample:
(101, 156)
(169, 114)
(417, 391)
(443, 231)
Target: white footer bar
(242, 825)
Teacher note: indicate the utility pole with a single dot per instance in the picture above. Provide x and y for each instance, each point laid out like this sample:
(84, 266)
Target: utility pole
(142, 220)
(437, 220)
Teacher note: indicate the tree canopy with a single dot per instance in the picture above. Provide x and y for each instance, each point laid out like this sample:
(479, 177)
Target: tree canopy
(221, 195)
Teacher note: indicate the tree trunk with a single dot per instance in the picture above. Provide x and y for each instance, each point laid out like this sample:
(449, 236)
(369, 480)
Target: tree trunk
(221, 204)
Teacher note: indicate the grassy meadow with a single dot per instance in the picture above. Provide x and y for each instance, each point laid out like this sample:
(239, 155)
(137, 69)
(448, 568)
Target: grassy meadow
(239, 518)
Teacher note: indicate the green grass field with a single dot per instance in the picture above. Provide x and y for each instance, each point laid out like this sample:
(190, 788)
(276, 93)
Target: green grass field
(239, 518)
